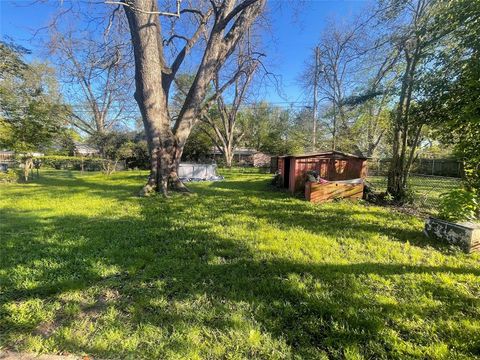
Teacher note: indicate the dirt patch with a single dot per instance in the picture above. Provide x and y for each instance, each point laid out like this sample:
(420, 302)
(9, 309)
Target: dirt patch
(11, 355)
(45, 329)
(107, 296)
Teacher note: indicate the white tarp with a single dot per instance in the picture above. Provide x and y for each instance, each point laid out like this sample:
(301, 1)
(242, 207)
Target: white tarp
(198, 172)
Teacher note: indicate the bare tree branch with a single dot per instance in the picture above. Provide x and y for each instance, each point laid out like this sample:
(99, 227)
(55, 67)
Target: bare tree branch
(129, 4)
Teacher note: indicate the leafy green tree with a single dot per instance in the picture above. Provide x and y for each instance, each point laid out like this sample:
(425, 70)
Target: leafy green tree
(32, 114)
(113, 147)
(12, 59)
(451, 86)
(272, 130)
(64, 143)
(199, 144)
(300, 130)
(139, 157)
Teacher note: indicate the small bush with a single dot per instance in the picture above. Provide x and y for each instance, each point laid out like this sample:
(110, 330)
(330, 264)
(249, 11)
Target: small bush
(9, 176)
(277, 180)
(458, 205)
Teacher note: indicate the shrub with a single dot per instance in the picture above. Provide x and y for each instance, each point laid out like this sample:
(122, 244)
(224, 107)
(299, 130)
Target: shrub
(277, 180)
(458, 205)
(114, 147)
(9, 176)
(72, 163)
(140, 158)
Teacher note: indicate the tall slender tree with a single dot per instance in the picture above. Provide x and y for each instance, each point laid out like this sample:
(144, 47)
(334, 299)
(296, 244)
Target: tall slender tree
(333, 74)
(223, 119)
(95, 73)
(414, 36)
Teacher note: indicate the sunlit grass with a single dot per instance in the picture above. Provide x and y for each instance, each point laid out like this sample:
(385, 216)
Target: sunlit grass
(237, 270)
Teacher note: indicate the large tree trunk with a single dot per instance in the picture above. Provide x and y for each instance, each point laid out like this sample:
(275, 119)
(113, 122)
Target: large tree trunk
(228, 152)
(150, 96)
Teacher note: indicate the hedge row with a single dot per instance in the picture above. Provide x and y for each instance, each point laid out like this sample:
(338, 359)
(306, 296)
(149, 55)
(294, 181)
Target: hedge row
(71, 163)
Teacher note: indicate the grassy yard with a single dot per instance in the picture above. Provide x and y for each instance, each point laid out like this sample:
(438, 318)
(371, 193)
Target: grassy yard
(237, 270)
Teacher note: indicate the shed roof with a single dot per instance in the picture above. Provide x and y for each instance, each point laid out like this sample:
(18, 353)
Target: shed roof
(326, 153)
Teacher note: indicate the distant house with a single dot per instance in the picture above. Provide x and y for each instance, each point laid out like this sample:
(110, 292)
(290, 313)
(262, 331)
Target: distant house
(84, 150)
(245, 157)
(8, 157)
(261, 159)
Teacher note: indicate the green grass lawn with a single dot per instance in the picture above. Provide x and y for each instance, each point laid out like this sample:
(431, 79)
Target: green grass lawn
(237, 270)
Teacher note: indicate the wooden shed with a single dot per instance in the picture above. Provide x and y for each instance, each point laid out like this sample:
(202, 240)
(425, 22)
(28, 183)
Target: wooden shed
(330, 165)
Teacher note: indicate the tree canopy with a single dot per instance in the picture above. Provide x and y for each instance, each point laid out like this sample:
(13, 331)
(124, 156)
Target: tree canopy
(32, 112)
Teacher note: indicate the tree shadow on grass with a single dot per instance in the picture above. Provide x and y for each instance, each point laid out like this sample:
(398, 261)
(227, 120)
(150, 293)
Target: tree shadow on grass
(172, 269)
(330, 220)
(65, 183)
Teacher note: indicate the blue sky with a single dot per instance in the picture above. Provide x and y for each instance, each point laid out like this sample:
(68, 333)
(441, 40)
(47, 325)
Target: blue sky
(293, 34)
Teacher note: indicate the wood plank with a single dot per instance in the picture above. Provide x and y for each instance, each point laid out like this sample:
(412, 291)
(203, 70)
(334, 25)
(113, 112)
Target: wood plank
(327, 192)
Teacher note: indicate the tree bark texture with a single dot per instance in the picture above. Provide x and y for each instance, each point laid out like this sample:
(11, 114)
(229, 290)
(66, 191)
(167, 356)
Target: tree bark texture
(400, 165)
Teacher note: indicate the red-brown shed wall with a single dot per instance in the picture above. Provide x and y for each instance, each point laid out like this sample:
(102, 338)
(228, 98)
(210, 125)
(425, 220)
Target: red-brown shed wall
(329, 168)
